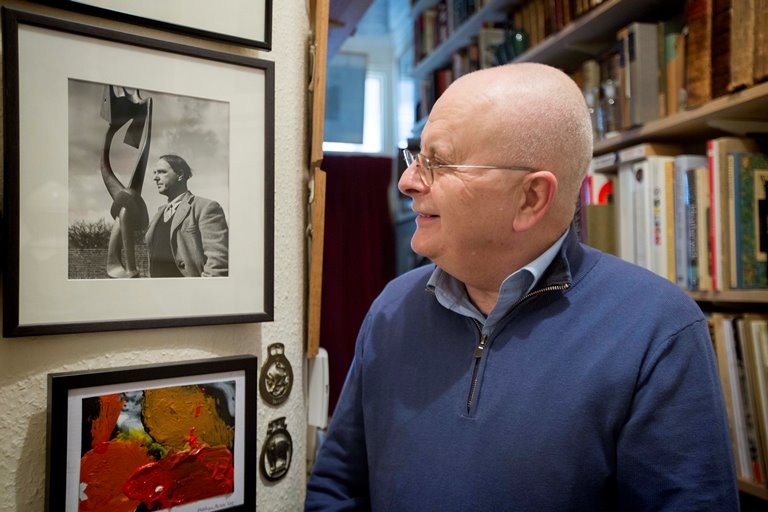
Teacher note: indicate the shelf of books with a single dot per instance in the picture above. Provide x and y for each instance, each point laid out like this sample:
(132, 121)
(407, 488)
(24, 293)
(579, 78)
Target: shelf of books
(740, 112)
(454, 37)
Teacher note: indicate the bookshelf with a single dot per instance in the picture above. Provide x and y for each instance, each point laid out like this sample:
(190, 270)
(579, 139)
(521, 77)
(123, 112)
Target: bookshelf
(746, 105)
(460, 37)
(753, 489)
(591, 35)
(588, 35)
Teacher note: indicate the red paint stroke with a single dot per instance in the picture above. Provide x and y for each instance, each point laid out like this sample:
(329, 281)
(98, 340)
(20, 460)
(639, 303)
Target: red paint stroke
(103, 473)
(197, 409)
(193, 440)
(102, 427)
(183, 477)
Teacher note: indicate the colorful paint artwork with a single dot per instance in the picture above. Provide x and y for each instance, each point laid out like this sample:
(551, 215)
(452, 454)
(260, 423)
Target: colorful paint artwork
(154, 449)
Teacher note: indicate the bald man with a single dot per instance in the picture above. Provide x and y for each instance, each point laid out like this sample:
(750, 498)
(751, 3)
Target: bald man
(522, 371)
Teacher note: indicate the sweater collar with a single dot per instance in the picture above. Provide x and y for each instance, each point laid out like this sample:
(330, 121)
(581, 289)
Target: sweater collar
(451, 293)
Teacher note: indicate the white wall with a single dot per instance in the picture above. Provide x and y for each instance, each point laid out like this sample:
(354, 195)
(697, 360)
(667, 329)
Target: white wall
(25, 362)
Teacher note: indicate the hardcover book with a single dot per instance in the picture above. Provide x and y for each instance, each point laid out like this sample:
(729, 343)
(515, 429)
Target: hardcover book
(761, 40)
(643, 54)
(721, 207)
(683, 163)
(698, 50)
(751, 176)
(742, 37)
(722, 42)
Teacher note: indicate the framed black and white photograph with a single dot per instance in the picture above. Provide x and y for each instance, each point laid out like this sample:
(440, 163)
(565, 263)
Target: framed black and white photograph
(139, 180)
(243, 22)
(176, 436)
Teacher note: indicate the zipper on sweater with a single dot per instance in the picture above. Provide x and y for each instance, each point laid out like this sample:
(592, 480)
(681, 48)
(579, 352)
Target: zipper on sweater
(484, 338)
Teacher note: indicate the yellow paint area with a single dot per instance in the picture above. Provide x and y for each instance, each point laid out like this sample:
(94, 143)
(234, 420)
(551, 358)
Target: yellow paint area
(172, 414)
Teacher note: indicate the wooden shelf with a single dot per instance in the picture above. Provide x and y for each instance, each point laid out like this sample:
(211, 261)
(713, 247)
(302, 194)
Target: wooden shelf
(420, 6)
(745, 105)
(731, 296)
(753, 489)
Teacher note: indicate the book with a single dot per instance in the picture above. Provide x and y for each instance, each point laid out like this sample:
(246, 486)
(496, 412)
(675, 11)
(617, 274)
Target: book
(761, 40)
(724, 343)
(647, 149)
(698, 52)
(756, 472)
(661, 170)
(643, 72)
(643, 212)
(723, 251)
(622, 72)
(742, 36)
(750, 171)
(757, 357)
(625, 206)
(683, 163)
(634, 200)
(488, 39)
(722, 42)
(672, 64)
(600, 227)
(680, 63)
(701, 228)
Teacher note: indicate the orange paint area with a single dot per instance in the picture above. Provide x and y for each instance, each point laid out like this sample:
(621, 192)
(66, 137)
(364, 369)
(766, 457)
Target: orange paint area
(103, 472)
(175, 416)
(102, 427)
(183, 477)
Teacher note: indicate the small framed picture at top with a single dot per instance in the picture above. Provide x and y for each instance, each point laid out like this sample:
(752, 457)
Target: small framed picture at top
(138, 181)
(175, 436)
(243, 22)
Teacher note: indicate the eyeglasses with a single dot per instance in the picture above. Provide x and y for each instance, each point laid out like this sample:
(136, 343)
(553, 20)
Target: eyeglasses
(426, 167)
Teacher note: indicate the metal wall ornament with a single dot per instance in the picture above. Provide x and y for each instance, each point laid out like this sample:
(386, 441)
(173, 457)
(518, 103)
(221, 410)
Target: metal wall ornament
(276, 378)
(276, 453)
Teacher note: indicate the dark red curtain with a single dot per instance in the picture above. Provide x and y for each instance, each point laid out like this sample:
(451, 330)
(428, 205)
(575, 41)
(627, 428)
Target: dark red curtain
(359, 254)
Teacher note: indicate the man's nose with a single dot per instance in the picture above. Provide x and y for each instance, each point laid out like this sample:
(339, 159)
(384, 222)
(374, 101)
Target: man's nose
(410, 182)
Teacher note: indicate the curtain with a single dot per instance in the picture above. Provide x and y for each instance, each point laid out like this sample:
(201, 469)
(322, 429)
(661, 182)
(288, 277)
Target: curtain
(359, 254)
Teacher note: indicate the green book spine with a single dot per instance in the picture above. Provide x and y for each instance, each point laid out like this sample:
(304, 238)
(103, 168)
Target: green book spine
(753, 214)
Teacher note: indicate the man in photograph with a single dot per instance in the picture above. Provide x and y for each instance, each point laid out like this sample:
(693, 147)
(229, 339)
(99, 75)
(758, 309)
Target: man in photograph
(188, 236)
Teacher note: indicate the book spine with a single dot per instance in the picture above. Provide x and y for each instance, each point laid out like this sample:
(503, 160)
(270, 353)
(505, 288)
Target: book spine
(714, 219)
(692, 253)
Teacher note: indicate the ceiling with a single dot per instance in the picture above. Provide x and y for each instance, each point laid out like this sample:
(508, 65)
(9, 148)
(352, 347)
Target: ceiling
(343, 19)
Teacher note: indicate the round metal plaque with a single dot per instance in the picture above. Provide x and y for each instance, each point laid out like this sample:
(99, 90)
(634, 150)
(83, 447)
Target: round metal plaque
(276, 452)
(276, 378)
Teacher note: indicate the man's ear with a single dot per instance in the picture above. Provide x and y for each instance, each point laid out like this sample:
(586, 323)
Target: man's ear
(538, 195)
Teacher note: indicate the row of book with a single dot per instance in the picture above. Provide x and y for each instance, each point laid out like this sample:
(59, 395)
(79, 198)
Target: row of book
(481, 53)
(537, 18)
(495, 43)
(741, 347)
(658, 69)
(438, 22)
(542, 18)
(699, 220)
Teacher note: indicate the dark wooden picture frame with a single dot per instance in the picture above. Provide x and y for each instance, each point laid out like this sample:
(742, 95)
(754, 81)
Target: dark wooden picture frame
(209, 13)
(87, 439)
(42, 57)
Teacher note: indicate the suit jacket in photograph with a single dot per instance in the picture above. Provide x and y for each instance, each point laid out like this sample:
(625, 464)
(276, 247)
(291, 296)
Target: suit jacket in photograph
(199, 237)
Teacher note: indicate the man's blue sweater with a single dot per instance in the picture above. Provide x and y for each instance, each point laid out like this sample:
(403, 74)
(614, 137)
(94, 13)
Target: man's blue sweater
(597, 392)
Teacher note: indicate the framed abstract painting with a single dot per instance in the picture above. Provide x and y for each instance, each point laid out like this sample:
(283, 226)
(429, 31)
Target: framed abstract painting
(139, 181)
(177, 436)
